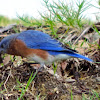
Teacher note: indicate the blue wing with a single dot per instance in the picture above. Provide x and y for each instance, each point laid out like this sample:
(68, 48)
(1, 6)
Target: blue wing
(39, 40)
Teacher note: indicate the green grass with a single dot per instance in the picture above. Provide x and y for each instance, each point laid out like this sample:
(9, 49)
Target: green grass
(4, 21)
(66, 13)
(94, 96)
(71, 94)
(30, 21)
(24, 89)
(24, 20)
(54, 68)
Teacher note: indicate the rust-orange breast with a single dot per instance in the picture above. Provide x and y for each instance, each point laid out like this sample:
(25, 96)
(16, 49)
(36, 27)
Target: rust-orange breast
(18, 48)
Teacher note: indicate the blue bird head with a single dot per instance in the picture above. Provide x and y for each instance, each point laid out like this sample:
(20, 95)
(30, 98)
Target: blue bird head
(5, 43)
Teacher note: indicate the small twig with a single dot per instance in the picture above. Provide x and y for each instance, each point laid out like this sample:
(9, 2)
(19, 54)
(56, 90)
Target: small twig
(3, 35)
(7, 28)
(81, 91)
(10, 74)
(72, 37)
(93, 53)
(6, 82)
(85, 31)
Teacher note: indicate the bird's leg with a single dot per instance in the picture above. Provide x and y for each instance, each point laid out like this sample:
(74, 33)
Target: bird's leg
(39, 69)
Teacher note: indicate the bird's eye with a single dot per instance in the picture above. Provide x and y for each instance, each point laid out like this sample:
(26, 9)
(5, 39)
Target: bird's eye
(2, 46)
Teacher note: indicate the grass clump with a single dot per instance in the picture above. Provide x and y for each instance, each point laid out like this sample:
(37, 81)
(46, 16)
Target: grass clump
(60, 13)
(24, 20)
(24, 89)
(66, 14)
(30, 21)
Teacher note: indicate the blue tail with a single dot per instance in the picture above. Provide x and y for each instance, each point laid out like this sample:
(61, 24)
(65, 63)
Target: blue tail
(79, 56)
(73, 54)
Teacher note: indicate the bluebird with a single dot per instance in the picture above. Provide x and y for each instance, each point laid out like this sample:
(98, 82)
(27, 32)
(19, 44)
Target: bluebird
(37, 46)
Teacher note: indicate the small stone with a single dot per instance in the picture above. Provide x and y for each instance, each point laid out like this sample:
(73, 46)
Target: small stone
(98, 79)
(69, 80)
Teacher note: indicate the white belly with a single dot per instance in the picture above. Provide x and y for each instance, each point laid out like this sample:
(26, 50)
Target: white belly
(62, 57)
(50, 58)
